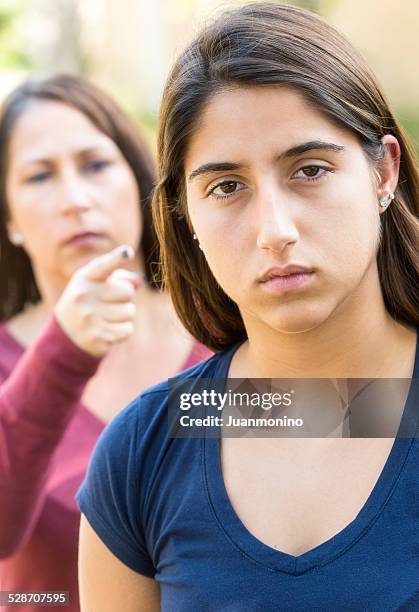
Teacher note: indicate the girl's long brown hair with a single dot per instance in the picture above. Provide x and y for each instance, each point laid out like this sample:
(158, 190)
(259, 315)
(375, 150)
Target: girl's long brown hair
(265, 44)
(17, 281)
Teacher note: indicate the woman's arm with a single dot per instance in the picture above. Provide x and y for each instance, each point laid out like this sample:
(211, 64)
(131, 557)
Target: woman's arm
(40, 397)
(37, 402)
(107, 584)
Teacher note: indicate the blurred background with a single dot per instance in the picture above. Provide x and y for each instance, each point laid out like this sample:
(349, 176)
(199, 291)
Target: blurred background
(127, 46)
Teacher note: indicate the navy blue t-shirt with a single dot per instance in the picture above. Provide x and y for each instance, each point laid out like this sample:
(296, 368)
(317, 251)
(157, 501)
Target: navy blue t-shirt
(160, 505)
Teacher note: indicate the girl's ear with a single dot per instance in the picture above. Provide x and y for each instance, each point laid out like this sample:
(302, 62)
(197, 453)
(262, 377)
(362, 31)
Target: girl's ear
(387, 169)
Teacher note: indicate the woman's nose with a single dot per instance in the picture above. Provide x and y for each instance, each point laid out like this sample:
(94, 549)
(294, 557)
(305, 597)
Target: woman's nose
(275, 225)
(74, 194)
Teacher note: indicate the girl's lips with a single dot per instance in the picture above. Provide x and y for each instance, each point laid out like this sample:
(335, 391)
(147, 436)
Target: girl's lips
(282, 284)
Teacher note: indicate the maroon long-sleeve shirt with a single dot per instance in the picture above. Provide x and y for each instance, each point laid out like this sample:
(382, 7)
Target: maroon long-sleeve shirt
(46, 439)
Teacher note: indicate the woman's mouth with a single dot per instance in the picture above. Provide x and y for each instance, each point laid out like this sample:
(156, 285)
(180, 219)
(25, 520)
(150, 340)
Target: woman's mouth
(86, 239)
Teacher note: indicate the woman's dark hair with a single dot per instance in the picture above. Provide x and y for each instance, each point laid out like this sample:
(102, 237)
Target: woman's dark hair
(264, 44)
(17, 281)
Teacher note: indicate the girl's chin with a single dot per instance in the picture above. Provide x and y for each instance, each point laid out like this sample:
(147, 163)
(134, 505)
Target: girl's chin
(296, 322)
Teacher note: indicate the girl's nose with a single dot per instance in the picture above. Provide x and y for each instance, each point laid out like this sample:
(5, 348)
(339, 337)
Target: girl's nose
(276, 227)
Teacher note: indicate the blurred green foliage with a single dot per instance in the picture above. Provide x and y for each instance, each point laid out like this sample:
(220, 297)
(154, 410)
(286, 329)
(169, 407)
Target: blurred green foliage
(410, 122)
(12, 54)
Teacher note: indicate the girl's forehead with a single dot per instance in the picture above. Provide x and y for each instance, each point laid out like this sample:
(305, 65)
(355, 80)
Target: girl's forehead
(248, 120)
(261, 102)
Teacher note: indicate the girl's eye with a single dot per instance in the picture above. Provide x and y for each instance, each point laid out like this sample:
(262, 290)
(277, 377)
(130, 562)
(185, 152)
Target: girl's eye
(225, 189)
(39, 177)
(97, 165)
(312, 173)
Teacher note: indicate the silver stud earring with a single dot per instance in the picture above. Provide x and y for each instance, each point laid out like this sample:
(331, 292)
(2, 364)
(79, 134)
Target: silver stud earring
(195, 237)
(16, 238)
(386, 200)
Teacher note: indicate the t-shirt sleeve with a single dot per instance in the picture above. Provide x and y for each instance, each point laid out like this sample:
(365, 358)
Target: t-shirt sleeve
(109, 496)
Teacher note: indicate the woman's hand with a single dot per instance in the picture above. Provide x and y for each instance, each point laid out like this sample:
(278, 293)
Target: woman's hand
(97, 308)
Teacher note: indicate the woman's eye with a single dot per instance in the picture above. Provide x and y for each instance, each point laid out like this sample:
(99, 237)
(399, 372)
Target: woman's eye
(97, 165)
(39, 177)
(312, 173)
(225, 189)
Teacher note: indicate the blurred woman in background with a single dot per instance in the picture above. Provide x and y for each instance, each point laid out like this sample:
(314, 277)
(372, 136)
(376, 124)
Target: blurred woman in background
(85, 326)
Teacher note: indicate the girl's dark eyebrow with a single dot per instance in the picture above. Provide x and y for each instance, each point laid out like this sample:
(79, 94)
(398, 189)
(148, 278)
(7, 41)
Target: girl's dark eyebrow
(312, 145)
(213, 167)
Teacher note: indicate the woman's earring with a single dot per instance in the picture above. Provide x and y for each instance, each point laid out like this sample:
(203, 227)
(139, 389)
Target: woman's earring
(16, 238)
(386, 200)
(195, 237)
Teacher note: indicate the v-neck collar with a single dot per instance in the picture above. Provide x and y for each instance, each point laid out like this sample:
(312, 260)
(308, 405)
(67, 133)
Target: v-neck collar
(326, 552)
